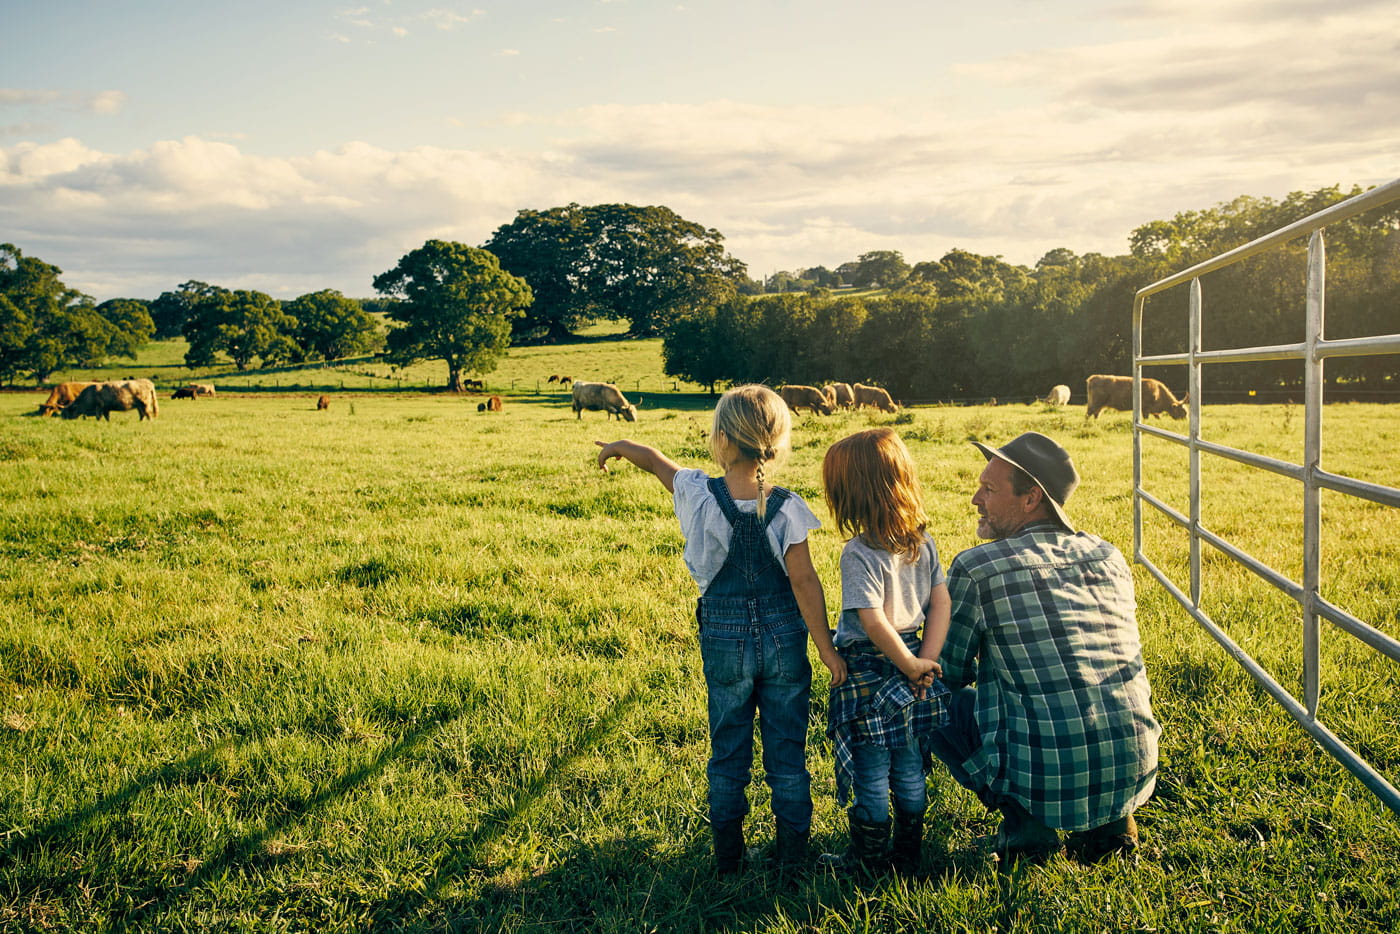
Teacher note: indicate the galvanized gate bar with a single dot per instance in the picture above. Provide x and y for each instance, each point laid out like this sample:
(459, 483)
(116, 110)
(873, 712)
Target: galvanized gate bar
(1364, 631)
(1343, 620)
(1350, 347)
(1376, 197)
(1389, 795)
(1312, 458)
(1312, 351)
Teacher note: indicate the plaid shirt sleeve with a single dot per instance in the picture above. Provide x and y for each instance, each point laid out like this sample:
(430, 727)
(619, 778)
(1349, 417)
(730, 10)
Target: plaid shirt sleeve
(960, 648)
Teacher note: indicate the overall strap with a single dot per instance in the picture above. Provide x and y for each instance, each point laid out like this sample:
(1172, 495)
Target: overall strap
(720, 490)
(775, 503)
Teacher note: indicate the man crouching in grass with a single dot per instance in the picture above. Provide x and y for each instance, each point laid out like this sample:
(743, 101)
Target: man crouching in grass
(1058, 733)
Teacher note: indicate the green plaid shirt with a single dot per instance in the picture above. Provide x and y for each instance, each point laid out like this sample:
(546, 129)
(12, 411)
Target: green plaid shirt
(1045, 623)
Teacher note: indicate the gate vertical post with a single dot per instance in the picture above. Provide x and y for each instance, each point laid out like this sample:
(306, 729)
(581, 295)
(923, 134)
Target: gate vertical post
(1138, 302)
(1193, 386)
(1312, 458)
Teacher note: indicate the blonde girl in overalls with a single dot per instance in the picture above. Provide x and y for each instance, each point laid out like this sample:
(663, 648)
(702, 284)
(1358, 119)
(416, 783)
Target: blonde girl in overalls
(760, 600)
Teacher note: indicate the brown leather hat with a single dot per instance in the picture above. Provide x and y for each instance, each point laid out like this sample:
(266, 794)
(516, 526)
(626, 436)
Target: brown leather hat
(1047, 463)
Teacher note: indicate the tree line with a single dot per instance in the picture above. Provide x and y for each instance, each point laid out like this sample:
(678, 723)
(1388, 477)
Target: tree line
(46, 327)
(975, 326)
(963, 325)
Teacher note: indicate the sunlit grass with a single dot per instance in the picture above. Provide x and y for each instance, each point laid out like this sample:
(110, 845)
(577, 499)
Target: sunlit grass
(404, 665)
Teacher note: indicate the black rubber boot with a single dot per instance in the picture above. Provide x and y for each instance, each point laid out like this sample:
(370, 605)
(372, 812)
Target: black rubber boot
(790, 849)
(1117, 837)
(1022, 836)
(867, 854)
(729, 847)
(906, 842)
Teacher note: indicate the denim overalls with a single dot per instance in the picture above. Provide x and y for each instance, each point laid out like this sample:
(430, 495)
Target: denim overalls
(753, 642)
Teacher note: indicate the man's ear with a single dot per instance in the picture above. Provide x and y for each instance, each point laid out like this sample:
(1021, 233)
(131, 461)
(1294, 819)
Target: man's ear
(1035, 498)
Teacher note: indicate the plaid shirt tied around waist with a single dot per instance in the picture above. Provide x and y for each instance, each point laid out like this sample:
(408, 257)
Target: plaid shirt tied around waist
(876, 704)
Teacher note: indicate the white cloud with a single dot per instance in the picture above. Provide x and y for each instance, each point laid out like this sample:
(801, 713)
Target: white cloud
(1104, 137)
(27, 96)
(450, 19)
(107, 102)
(104, 103)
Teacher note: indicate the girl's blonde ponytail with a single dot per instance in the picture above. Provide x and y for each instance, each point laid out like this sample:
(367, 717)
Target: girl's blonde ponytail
(762, 497)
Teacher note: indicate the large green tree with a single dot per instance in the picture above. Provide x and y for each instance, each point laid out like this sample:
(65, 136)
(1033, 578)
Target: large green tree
(132, 321)
(172, 309)
(45, 326)
(15, 326)
(642, 265)
(880, 269)
(331, 326)
(245, 325)
(457, 304)
(552, 251)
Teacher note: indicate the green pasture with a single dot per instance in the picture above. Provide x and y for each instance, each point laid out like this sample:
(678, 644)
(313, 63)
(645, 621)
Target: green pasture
(401, 665)
(600, 354)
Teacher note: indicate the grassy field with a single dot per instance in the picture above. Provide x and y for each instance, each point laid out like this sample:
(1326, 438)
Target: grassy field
(402, 665)
(599, 355)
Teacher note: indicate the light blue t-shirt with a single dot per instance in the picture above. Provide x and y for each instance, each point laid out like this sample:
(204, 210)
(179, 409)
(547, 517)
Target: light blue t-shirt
(706, 531)
(873, 577)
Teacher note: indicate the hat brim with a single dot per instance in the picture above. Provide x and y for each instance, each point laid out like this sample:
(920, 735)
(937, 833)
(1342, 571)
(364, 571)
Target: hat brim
(1060, 514)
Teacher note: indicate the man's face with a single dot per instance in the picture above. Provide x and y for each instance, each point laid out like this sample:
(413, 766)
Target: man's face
(1000, 510)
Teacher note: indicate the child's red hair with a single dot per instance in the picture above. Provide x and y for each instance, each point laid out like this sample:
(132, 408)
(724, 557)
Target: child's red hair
(872, 491)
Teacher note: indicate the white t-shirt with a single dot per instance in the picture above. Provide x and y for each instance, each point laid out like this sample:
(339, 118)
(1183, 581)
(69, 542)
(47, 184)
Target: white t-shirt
(873, 577)
(707, 532)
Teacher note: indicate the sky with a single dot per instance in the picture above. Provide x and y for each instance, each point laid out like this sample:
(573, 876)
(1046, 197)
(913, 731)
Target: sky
(290, 146)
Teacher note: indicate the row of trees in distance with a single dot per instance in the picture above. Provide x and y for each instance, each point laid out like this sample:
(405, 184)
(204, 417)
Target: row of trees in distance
(975, 326)
(543, 275)
(46, 326)
(963, 325)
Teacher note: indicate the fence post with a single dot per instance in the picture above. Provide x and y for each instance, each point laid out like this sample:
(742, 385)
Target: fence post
(1312, 456)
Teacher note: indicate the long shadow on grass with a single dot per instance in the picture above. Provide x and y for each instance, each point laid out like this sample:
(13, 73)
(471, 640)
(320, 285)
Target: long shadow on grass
(462, 852)
(251, 848)
(71, 825)
(626, 884)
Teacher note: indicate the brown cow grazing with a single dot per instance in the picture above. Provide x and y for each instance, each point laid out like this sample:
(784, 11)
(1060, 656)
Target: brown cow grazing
(64, 394)
(553, 378)
(1057, 396)
(605, 397)
(474, 384)
(841, 395)
(873, 396)
(185, 392)
(566, 380)
(323, 403)
(807, 397)
(101, 399)
(1116, 392)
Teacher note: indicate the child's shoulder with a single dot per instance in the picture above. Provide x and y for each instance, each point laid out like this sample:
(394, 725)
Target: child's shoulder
(691, 477)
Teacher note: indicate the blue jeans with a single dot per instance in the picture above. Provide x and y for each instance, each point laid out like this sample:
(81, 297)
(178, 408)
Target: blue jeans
(880, 773)
(758, 667)
(956, 742)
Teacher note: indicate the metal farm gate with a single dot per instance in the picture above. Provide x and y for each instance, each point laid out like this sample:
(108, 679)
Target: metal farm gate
(1313, 351)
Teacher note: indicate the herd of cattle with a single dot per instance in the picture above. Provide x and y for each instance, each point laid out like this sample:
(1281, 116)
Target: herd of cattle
(835, 396)
(100, 399)
(1104, 392)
